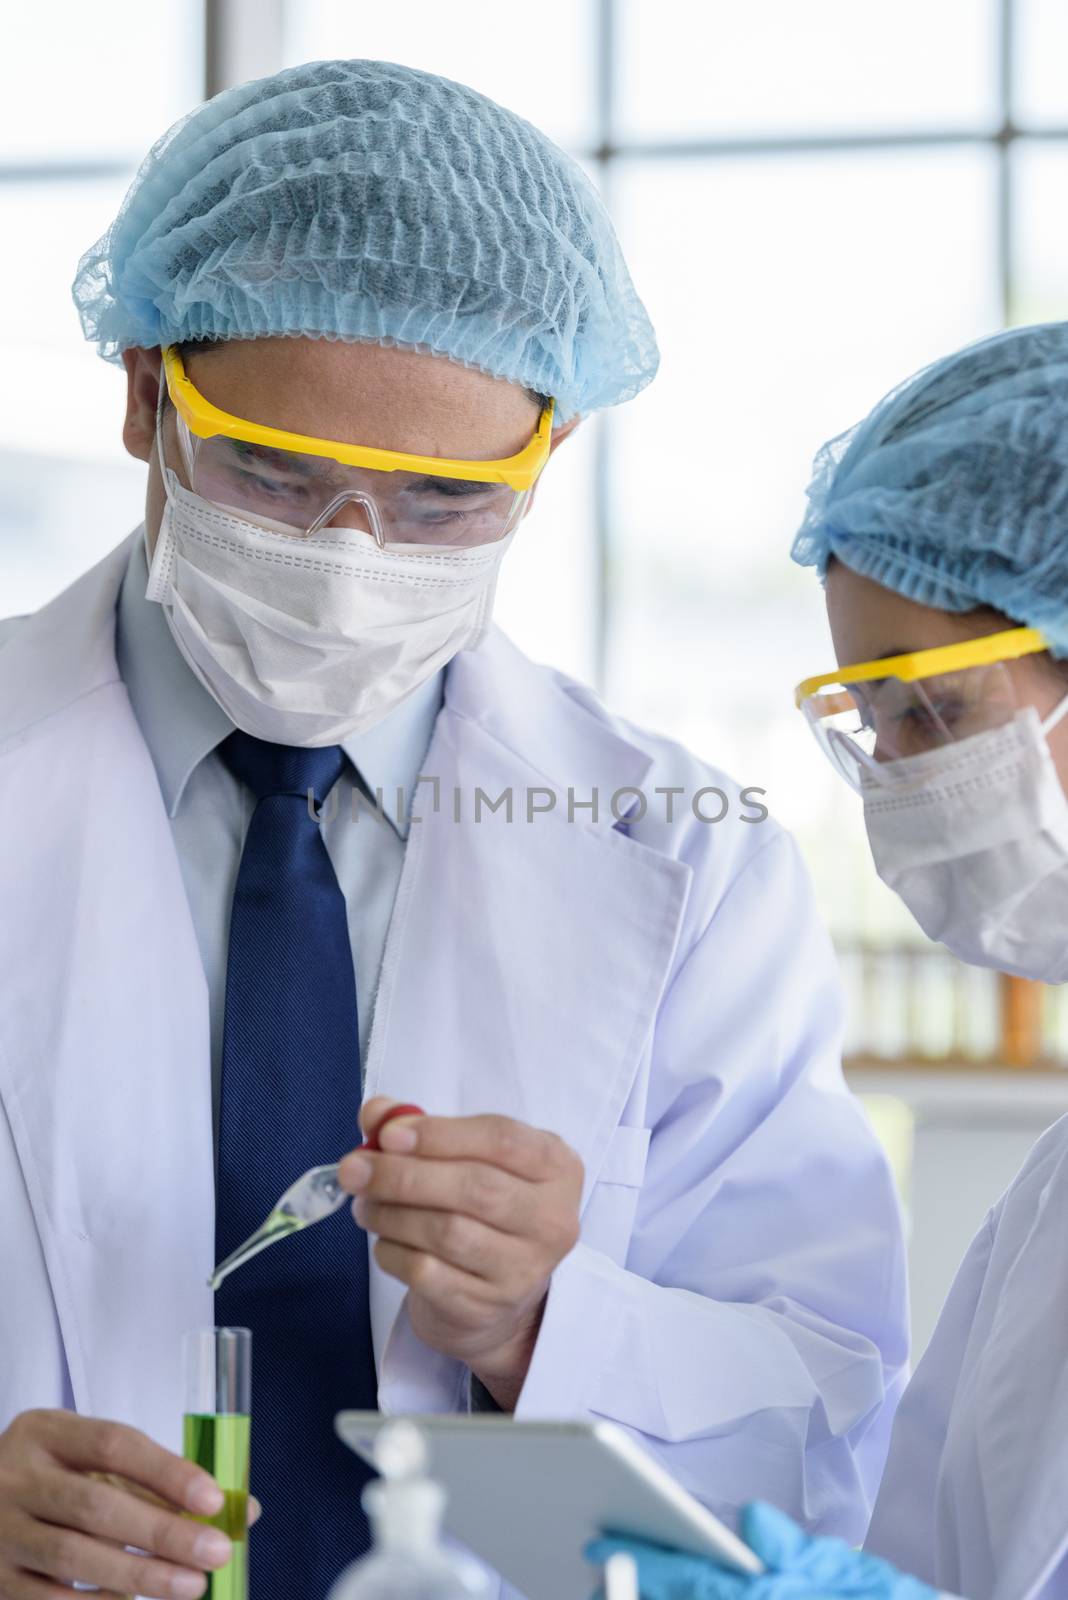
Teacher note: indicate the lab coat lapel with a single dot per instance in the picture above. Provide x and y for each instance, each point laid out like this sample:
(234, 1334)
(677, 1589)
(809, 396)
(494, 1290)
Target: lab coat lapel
(1022, 1428)
(526, 959)
(104, 1052)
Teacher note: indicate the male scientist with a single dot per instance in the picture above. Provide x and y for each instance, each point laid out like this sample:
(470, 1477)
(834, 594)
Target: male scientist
(289, 829)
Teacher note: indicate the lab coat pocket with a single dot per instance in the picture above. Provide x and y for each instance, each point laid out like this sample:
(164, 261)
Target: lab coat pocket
(608, 1218)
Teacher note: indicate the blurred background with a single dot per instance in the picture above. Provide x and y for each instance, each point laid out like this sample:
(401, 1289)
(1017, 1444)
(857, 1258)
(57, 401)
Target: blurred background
(815, 200)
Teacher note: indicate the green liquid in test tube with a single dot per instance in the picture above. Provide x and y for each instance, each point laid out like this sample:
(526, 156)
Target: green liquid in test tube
(216, 1435)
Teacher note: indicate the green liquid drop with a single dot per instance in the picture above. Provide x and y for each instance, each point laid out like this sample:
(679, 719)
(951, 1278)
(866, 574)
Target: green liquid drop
(279, 1225)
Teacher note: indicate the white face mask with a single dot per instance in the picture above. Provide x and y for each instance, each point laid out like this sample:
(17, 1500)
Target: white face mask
(305, 641)
(974, 838)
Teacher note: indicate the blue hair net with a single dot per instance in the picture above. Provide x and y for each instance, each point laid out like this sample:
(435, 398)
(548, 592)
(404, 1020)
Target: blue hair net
(363, 200)
(954, 491)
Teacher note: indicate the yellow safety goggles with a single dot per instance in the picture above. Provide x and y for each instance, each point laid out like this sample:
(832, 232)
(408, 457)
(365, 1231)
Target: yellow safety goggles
(878, 711)
(298, 484)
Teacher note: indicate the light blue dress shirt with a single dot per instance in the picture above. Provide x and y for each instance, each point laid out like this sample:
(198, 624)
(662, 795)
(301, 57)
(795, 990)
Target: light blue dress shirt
(210, 810)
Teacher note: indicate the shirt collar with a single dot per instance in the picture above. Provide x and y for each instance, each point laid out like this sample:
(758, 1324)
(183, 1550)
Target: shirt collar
(182, 723)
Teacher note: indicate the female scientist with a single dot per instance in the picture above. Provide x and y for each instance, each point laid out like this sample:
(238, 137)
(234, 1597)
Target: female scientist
(940, 529)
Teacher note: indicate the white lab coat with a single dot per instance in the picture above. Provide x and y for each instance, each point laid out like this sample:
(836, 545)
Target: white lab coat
(975, 1498)
(737, 1300)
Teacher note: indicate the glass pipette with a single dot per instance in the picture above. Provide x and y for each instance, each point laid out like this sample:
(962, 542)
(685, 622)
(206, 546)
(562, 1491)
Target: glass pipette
(316, 1195)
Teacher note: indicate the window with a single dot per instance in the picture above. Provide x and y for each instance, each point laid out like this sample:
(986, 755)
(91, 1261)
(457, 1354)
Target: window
(74, 124)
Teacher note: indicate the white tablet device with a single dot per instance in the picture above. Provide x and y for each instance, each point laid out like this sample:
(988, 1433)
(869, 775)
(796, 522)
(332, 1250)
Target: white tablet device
(528, 1496)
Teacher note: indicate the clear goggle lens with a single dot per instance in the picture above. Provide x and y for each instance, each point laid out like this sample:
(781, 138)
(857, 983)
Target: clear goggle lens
(862, 726)
(301, 494)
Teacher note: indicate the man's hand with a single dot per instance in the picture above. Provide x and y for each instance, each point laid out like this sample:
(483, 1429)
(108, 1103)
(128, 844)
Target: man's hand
(75, 1490)
(474, 1214)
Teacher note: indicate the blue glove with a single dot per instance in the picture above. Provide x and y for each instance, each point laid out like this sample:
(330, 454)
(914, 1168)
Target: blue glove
(799, 1567)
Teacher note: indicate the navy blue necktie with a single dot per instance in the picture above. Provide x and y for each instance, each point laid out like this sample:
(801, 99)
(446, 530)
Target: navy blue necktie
(290, 1100)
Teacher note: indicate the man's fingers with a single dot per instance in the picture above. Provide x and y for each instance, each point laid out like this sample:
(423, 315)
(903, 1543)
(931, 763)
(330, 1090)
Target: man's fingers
(529, 1153)
(372, 1111)
(471, 1188)
(24, 1586)
(72, 1557)
(91, 1445)
(455, 1294)
(136, 1489)
(255, 1510)
(459, 1240)
(111, 1509)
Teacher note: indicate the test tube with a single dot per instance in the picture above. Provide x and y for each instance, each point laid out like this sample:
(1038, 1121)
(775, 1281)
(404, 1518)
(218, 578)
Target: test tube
(216, 1431)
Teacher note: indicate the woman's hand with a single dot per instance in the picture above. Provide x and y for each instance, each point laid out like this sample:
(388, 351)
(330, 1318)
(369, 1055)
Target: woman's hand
(798, 1568)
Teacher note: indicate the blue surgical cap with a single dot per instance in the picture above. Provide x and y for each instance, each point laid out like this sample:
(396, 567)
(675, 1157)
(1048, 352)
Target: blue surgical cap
(363, 200)
(954, 491)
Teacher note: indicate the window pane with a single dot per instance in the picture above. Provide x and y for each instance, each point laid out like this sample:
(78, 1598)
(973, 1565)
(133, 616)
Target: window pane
(61, 397)
(788, 295)
(68, 492)
(97, 83)
(1041, 55)
(1040, 249)
(723, 69)
(540, 65)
